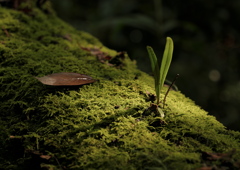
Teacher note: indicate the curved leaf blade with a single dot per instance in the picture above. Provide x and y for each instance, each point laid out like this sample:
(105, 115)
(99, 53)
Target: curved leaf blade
(155, 70)
(166, 60)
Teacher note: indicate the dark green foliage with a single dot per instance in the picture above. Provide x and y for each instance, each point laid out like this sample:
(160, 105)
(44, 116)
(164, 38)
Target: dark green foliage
(96, 126)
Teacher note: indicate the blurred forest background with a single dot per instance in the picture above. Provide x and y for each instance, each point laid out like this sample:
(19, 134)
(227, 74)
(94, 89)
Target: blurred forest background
(206, 36)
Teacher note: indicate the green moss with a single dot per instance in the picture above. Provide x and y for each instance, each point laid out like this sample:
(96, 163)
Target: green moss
(96, 126)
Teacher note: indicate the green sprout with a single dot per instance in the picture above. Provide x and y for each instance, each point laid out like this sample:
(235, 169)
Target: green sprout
(160, 73)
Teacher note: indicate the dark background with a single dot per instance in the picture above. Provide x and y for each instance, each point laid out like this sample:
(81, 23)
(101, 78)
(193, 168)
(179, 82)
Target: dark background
(205, 33)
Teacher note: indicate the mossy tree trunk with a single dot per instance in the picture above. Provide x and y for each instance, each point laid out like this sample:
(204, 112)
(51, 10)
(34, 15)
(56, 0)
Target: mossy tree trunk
(103, 125)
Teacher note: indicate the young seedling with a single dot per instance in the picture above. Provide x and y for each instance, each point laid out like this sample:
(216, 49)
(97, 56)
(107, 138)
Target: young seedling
(160, 73)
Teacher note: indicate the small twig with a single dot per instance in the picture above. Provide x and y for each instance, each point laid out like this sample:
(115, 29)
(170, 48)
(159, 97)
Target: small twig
(165, 97)
(58, 162)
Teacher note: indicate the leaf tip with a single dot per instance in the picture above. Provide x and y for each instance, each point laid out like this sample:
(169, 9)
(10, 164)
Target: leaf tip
(169, 39)
(148, 47)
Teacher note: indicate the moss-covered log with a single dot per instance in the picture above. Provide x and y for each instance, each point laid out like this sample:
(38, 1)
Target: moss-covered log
(103, 125)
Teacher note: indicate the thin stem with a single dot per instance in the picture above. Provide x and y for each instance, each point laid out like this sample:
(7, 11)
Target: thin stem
(165, 97)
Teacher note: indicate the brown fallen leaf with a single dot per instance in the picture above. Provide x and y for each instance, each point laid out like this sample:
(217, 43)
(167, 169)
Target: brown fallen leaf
(218, 156)
(45, 157)
(205, 168)
(65, 79)
(219, 161)
(38, 154)
(101, 56)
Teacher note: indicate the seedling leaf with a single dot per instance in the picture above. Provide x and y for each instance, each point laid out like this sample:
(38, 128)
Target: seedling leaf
(155, 69)
(160, 73)
(166, 61)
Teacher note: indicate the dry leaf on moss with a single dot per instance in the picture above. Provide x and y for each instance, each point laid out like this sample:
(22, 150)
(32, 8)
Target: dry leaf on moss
(66, 79)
